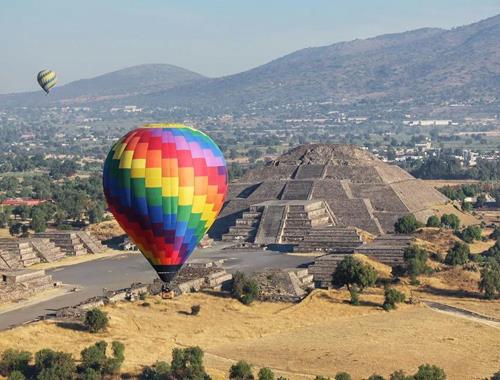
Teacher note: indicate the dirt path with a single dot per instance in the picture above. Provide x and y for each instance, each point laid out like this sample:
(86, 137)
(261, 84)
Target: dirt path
(463, 313)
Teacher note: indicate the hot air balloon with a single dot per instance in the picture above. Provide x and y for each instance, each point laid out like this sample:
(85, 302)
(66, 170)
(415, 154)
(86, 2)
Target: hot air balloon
(165, 184)
(46, 79)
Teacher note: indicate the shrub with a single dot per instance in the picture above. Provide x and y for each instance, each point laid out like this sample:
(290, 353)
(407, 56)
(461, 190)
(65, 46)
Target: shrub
(343, 376)
(400, 375)
(321, 378)
(143, 296)
(392, 297)
(16, 375)
(376, 377)
(416, 261)
(159, 371)
(407, 224)
(244, 289)
(429, 372)
(241, 371)
(458, 254)
(14, 360)
(470, 233)
(433, 221)
(113, 365)
(187, 363)
(265, 374)
(96, 320)
(496, 376)
(490, 279)
(195, 309)
(495, 234)
(56, 365)
(91, 374)
(450, 221)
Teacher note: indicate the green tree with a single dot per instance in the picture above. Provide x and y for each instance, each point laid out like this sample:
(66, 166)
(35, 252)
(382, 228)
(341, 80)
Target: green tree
(94, 357)
(471, 233)
(415, 259)
(450, 221)
(159, 371)
(38, 220)
(400, 375)
(354, 274)
(241, 371)
(91, 374)
(490, 279)
(433, 221)
(407, 224)
(376, 377)
(14, 360)
(391, 298)
(187, 364)
(429, 372)
(458, 254)
(96, 320)
(496, 376)
(266, 374)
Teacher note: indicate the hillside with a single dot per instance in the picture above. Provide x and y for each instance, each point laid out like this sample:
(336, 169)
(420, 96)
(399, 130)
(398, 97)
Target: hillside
(119, 84)
(426, 64)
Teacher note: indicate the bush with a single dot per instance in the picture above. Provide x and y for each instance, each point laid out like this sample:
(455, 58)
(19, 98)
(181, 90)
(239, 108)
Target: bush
(376, 377)
(458, 254)
(321, 378)
(241, 371)
(96, 320)
(113, 365)
(392, 297)
(16, 375)
(15, 360)
(56, 365)
(195, 309)
(143, 296)
(265, 374)
(429, 372)
(159, 371)
(245, 289)
(91, 374)
(343, 376)
(399, 375)
(407, 224)
(450, 221)
(433, 221)
(496, 376)
(470, 233)
(490, 279)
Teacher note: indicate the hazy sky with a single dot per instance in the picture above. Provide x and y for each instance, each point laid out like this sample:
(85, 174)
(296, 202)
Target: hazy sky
(83, 38)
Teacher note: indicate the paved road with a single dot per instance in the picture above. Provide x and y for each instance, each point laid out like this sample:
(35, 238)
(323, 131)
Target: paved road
(120, 271)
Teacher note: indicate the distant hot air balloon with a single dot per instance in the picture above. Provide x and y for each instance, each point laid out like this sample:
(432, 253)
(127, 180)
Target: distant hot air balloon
(46, 79)
(165, 184)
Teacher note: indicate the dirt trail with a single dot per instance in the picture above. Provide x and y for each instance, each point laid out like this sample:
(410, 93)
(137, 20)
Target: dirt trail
(463, 313)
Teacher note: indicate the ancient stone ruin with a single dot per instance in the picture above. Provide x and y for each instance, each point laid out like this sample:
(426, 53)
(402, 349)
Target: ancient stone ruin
(315, 188)
(23, 283)
(17, 253)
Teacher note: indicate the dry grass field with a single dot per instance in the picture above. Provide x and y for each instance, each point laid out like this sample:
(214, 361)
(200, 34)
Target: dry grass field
(321, 335)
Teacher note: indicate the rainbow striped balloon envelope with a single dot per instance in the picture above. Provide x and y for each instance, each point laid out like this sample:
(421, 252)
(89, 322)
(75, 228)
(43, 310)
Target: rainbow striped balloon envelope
(165, 184)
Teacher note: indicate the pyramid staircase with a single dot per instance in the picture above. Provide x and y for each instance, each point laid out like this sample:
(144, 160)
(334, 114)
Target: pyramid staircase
(246, 227)
(329, 239)
(301, 218)
(9, 260)
(69, 242)
(21, 249)
(323, 268)
(46, 250)
(388, 249)
(93, 245)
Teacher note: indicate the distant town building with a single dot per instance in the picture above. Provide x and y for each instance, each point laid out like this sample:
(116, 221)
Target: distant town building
(21, 202)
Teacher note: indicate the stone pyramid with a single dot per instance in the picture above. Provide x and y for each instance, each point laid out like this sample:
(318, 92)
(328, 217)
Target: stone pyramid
(326, 185)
